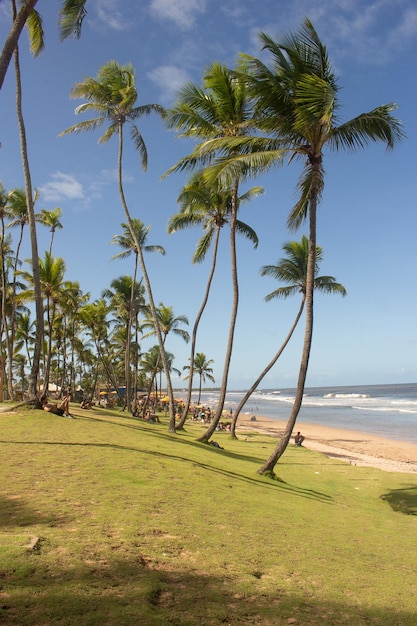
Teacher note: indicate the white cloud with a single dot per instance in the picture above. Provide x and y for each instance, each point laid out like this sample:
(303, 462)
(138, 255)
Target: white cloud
(169, 79)
(182, 12)
(111, 16)
(62, 187)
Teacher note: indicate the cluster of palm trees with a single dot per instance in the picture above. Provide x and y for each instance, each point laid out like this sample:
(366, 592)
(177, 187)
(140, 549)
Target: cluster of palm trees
(244, 121)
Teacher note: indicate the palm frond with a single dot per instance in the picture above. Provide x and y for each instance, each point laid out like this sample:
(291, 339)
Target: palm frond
(34, 26)
(71, 17)
(376, 125)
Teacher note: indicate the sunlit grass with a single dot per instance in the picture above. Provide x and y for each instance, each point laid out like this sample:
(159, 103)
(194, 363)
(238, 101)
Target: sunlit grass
(109, 520)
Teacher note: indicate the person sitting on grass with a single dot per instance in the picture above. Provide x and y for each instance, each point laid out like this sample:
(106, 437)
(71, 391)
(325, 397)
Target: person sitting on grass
(298, 439)
(61, 409)
(151, 417)
(85, 404)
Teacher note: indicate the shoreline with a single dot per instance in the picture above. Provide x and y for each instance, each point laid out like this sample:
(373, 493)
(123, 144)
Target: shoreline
(353, 447)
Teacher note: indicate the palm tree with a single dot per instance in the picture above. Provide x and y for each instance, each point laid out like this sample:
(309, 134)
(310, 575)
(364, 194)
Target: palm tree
(210, 206)
(51, 219)
(202, 367)
(112, 96)
(128, 245)
(216, 115)
(25, 334)
(19, 216)
(297, 102)
(168, 323)
(94, 316)
(27, 15)
(52, 271)
(292, 270)
(126, 299)
(70, 19)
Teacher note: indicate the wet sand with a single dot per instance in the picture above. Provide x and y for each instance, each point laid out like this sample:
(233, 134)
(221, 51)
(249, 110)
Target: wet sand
(353, 447)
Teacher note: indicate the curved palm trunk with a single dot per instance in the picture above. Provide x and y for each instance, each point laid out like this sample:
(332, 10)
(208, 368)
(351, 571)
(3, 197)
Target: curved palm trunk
(235, 305)
(181, 423)
(34, 374)
(269, 465)
(148, 288)
(264, 372)
(19, 21)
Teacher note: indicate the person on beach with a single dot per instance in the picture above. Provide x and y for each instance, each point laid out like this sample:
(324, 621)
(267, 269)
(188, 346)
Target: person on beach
(62, 409)
(298, 439)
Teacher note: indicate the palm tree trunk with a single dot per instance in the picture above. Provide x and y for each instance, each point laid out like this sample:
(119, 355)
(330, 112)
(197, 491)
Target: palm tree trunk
(19, 21)
(269, 466)
(34, 374)
(181, 423)
(264, 372)
(235, 305)
(148, 288)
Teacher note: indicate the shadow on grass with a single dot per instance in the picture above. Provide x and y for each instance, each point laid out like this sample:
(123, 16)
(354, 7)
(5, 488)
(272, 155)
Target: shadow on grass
(14, 511)
(260, 481)
(127, 591)
(402, 500)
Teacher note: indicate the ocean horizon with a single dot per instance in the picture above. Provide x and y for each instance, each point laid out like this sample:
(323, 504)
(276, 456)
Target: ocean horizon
(385, 410)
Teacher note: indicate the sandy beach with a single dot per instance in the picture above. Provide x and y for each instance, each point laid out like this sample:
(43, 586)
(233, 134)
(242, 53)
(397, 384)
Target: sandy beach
(353, 447)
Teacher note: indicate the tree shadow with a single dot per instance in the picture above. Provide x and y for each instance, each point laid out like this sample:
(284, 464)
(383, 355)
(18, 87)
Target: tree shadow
(126, 591)
(258, 481)
(402, 500)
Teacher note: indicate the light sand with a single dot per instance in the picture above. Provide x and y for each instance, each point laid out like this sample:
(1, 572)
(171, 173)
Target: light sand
(347, 445)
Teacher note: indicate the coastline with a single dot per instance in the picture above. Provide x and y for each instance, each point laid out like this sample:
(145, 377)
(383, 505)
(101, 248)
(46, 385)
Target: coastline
(356, 448)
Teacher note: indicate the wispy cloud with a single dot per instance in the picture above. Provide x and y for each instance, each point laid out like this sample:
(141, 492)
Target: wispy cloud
(62, 187)
(111, 16)
(169, 79)
(182, 12)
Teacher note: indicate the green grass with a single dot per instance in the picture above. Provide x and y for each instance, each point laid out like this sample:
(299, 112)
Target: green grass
(109, 520)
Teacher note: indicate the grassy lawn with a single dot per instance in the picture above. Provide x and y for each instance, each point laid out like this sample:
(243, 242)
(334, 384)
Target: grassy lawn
(110, 520)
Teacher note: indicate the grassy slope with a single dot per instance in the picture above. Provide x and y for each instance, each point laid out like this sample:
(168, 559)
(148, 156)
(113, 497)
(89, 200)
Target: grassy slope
(137, 526)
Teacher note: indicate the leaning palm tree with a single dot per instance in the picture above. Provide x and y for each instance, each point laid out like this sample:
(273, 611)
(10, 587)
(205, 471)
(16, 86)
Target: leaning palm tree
(209, 206)
(202, 367)
(216, 114)
(291, 270)
(297, 101)
(112, 96)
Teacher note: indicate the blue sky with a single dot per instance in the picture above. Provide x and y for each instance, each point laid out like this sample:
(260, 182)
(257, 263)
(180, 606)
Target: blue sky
(367, 221)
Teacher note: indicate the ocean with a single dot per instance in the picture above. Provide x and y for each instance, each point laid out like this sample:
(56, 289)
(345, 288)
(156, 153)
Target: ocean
(386, 410)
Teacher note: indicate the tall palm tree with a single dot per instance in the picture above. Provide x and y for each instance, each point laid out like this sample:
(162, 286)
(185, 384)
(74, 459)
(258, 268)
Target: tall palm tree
(52, 271)
(297, 101)
(52, 219)
(32, 19)
(209, 206)
(292, 270)
(25, 334)
(168, 323)
(19, 217)
(94, 316)
(202, 368)
(70, 19)
(126, 299)
(128, 245)
(216, 114)
(112, 96)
